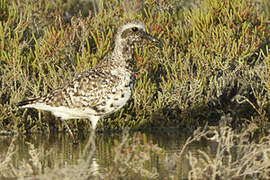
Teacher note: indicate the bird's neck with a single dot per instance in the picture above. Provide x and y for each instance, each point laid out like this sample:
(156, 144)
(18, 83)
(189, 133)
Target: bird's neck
(123, 55)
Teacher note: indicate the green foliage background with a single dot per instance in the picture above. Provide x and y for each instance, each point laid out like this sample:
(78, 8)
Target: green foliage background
(214, 61)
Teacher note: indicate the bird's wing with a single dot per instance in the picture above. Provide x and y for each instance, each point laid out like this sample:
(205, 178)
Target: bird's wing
(87, 89)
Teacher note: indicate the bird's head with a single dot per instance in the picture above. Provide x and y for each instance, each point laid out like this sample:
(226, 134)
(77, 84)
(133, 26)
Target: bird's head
(133, 32)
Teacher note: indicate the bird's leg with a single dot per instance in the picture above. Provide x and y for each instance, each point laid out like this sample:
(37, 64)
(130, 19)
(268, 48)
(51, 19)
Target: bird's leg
(75, 140)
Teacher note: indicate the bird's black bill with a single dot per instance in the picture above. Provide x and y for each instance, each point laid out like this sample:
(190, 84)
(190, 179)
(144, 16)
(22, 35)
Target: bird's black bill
(151, 38)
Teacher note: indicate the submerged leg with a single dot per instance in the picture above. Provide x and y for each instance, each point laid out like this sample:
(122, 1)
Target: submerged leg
(75, 141)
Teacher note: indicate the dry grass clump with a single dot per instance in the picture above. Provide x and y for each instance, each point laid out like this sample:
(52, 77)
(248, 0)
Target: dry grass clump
(236, 156)
(131, 157)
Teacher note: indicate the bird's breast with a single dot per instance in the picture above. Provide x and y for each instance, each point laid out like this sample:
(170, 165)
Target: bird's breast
(116, 95)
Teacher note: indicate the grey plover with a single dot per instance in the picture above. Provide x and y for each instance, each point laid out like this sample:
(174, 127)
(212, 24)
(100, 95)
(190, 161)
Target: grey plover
(102, 90)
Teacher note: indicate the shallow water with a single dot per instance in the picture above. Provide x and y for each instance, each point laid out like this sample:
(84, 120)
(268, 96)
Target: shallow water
(57, 151)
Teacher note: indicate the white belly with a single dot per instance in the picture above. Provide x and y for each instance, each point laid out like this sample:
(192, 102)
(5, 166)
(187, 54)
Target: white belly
(118, 100)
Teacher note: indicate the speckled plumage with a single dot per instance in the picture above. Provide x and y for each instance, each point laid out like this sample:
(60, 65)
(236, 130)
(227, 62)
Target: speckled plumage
(102, 90)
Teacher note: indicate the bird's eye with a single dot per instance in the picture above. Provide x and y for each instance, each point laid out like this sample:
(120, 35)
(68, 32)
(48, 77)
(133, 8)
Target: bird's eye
(134, 29)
